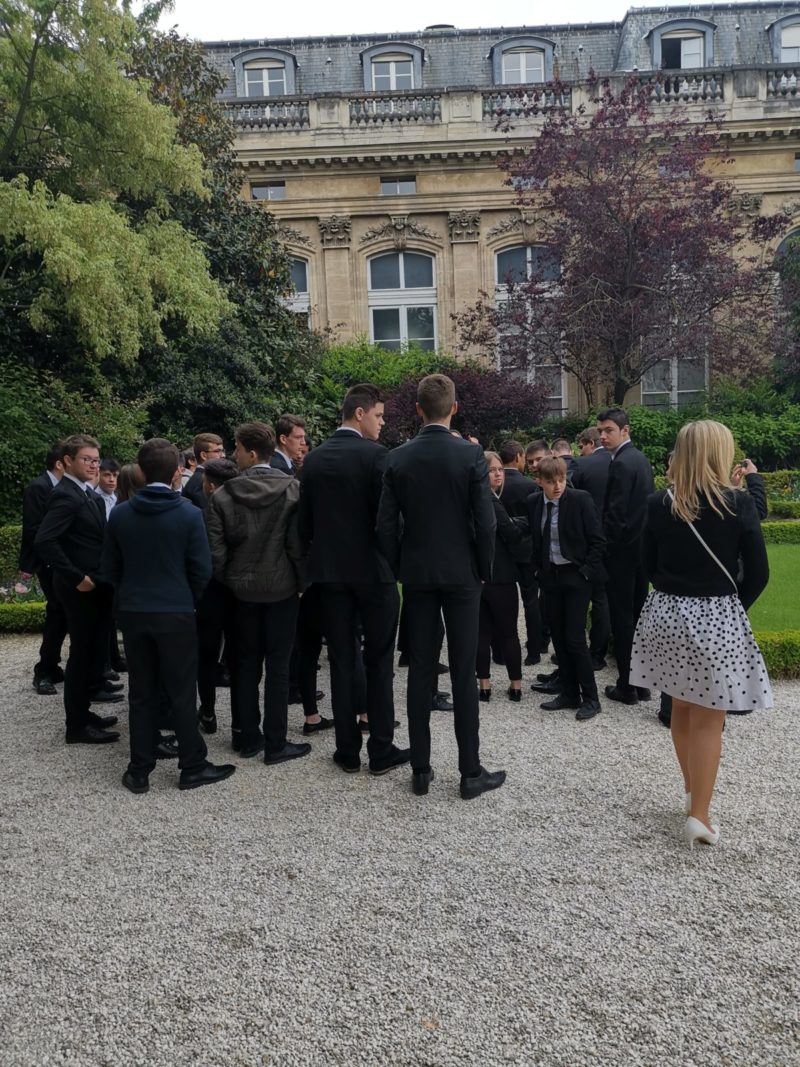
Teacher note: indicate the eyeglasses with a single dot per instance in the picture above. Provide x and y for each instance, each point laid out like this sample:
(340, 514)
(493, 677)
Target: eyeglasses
(217, 451)
(89, 461)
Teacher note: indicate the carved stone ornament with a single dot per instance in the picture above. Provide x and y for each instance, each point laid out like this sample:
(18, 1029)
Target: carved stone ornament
(286, 233)
(523, 223)
(749, 203)
(399, 227)
(464, 226)
(334, 231)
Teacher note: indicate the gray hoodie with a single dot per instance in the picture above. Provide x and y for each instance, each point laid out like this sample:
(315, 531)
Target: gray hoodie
(252, 529)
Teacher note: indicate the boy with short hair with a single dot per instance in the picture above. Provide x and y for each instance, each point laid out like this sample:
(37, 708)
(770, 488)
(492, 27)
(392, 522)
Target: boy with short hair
(535, 452)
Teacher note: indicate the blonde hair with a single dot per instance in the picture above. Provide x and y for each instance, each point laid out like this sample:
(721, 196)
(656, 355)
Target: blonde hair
(489, 456)
(701, 466)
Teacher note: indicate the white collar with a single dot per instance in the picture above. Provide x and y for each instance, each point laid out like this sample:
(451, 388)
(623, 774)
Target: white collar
(82, 485)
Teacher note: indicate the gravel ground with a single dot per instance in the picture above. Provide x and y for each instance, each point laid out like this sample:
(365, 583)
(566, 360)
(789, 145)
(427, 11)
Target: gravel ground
(295, 915)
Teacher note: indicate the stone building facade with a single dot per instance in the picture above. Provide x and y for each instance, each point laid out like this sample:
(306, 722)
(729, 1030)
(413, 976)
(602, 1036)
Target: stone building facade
(378, 154)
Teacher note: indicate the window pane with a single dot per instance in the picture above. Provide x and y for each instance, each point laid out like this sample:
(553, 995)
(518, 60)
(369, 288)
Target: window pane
(790, 55)
(386, 326)
(658, 378)
(534, 67)
(385, 272)
(544, 263)
(419, 322)
(691, 375)
(276, 81)
(269, 191)
(299, 275)
(670, 53)
(790, 37)
(254, 82)
(404, 76)
(659, 401)
(512, 69)
(418, 271)
(511, 265)
(692, 52)
(687, 400)
(550, 379)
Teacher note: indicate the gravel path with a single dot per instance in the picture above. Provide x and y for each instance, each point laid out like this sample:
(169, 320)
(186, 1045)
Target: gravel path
(295, 915)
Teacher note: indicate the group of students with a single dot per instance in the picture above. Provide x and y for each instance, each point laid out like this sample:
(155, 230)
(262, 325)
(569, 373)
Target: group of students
(280, 547)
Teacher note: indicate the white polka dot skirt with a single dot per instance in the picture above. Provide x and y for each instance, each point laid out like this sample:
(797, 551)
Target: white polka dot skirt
(700, 649)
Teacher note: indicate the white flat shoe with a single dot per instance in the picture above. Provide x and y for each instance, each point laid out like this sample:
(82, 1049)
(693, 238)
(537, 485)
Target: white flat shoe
(687, 804)
(694, 830)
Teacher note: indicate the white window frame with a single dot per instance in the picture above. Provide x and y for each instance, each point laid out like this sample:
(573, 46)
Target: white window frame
(403, 299)
(674, 394)
(790, 44)
(264, 66)
(684, 36)
(393, 59)
(391, 186)
(275, 191)
(526, 58)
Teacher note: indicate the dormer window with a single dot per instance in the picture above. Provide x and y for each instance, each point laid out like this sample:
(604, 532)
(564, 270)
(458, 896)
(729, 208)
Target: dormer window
(682, 44)
(790, 44)
(390, 68)
(263, 72)
(522, 61)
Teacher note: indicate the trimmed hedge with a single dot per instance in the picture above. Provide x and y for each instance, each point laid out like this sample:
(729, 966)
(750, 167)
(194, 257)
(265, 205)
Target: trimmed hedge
(777, 481)
(785, 509)
(781, 533)
(781, 652)
(10, 537)
(22, 618)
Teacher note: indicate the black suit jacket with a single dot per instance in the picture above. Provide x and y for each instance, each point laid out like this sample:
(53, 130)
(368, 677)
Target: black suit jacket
(436, 523)
(630, 482)
(339, 495)
(580, 534)
(278, 463)
(515, 492)
(34, 506)
(70, 537)
(193, 490)
(592, 476)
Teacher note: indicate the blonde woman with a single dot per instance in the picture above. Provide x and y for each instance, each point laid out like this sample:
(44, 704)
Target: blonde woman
(693, 640)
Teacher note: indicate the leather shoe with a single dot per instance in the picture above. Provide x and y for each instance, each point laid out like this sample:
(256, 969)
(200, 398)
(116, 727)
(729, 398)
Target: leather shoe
(57, 675)
(167, 748)
(288, 752)
(44, 687)
(598, 663)
(136, 783)
(120, 665)
(110, 687)
(90, 735)
(622, 696)
(642, 693)
(588, 710)
(558, 703)
(441, 702)
(208, 774)
(102, 722)
(481, 782)
(207, 722)
(315, 727)
(403, 661)
(111, 676)
(547, 687)
(532, 659)
(253, 749)
(442, 668)
(420, 781)
(349, 766)
(551, 677)
(396, 758)
(104, 697)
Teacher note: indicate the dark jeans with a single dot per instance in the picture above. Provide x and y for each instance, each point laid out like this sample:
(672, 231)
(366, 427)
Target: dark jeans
(461, 608)
(55, 628)
(88, 616)
(627, 590)
(264, 640)
(161, 650)
(568, 595)
(498, 628)
(376, 607)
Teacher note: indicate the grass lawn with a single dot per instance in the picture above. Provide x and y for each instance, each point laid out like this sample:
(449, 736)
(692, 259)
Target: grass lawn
(778, 607)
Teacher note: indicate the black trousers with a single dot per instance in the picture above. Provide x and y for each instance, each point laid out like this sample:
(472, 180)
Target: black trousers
(88, 616)
(264, 641)
(497, 628)
(460, 606)
(537, 633)
(215, 620)
(376, 607)
(307, 649)
(600, 629)
(568, 595)
(627, 590)
(161, 650)
(55, 628)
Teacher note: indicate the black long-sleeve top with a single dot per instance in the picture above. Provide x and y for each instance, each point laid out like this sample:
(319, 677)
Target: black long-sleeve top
(677, 563)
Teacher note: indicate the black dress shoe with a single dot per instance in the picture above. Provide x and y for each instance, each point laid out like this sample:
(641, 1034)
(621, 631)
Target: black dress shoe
(44, 687)
(208, 774)
(547, 687)
(135, 782)
(588, 710)
(441, 702)
(111, 687)
(90, 735)
(207, 721)
(403, 661)
(111, 676)
(485, 695)
(514, 695)
(315, 727)
(559, 702)
(481, 782)
(532, 659)
(102, 697)
(167, 748)
(642, 693)
(442, 668)
(120, 665)
(622, 696)
(288, 752)
(349, 766)
(223, 679)
(551, 677)
(246, 751)
(56, 675)
(598, 663)
(420, 781)
(396, 758)
(102, 722)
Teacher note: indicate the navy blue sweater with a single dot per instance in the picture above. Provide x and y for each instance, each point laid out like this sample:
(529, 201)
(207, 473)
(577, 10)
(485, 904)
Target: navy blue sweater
(156, 552)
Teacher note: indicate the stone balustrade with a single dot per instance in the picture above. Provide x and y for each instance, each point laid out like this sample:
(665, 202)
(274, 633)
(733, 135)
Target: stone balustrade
(686, 87)
(271, 112)
(783, 81)
(524, 100)
(369, 109)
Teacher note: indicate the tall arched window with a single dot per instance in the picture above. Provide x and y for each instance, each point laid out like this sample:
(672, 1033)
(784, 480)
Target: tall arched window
(402, 300)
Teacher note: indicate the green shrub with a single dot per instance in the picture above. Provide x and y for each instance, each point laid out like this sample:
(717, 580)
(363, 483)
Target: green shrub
(361, 361)
(785, 509)
(778, 481)
(781, 652)
(781, 533)
(25, 618)
(9, 551)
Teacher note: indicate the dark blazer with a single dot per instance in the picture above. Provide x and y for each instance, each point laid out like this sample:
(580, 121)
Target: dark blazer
(516, 490)
(70, 537)
(579, 533)
(339, 495)
(278, 463)
(34, 506)
(193, 490)
(436, 523)
(511, 542)
(592, 476)
(757, 490)
(630, 482)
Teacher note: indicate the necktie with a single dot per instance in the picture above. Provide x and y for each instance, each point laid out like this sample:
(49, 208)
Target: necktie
(547, 534)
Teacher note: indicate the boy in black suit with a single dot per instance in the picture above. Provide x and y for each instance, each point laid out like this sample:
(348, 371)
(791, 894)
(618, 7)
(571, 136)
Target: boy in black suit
(436, 528)
(592, 476)
(568, 548)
